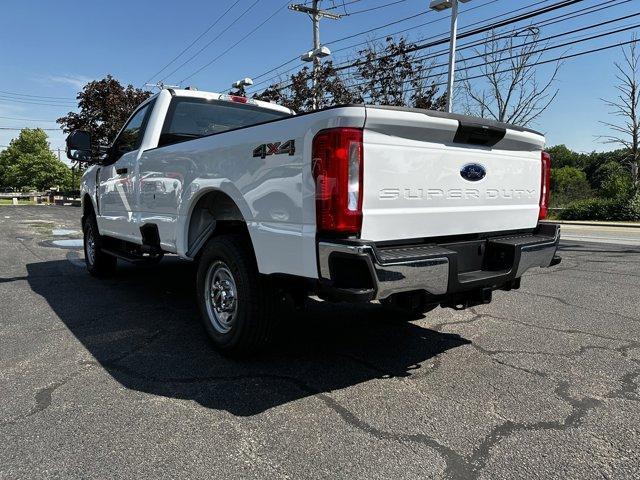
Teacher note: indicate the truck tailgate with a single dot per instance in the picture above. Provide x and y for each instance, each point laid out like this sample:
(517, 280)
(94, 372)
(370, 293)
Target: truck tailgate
(416, 185)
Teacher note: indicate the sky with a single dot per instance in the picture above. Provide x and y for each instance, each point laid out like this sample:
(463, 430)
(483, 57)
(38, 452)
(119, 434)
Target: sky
(49, 50)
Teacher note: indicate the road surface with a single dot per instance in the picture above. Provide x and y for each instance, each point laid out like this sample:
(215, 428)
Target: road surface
(606, 235)
(115, 378)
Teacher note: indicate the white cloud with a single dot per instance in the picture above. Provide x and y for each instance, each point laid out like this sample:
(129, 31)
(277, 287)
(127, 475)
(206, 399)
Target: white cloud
(76, 81)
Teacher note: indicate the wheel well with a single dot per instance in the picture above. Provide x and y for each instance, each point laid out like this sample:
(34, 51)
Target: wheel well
(87, 206)
(214, 213)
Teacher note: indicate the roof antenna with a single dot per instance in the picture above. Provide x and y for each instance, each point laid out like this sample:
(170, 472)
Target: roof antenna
(160, 85)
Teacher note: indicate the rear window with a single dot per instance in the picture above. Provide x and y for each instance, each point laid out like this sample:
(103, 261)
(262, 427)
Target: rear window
(196, 117)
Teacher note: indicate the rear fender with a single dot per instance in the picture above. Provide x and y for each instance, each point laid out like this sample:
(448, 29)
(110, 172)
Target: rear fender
(199, 189)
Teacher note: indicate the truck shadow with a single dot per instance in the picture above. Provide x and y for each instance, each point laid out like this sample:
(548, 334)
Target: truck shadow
(143, 328)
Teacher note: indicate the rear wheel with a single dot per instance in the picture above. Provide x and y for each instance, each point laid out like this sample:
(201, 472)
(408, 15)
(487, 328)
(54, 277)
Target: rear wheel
(236, 304)
(98, 263)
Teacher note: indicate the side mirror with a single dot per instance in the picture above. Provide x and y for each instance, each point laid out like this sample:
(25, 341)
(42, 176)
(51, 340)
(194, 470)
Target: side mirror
(79, 146)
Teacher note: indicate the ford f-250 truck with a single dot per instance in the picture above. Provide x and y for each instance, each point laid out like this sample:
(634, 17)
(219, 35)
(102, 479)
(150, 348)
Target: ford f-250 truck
(413, 208)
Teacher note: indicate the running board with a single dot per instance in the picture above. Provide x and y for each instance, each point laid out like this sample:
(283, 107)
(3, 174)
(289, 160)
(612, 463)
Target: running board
(128, 257)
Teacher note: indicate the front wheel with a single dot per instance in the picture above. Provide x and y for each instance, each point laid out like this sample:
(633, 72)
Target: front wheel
(98, 263)
(236, 304)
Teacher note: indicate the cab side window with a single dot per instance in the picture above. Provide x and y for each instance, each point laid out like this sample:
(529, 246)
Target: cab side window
(131, 136)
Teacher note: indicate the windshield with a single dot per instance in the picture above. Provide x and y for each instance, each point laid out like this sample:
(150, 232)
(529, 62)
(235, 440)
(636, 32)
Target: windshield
(195, 117)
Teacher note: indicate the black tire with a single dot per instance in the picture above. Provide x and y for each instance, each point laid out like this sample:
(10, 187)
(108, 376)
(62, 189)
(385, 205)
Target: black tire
(411, 305)
(227, 269)
(99, 264)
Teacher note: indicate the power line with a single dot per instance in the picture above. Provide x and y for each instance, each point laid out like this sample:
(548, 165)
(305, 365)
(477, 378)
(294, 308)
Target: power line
(379, 27)
(16, 94)
(543, 62)
(503, 23)
(469, 33)
(206, 45)
(28, 119)
(401, 31)
(441, 19)
(29, 102)
(545, 48)
(466, 27)
(334, 41)
(242, 38)
(29, 128)
(541, 24)
(370, 9)
(300, 64)
(342, 5)
(207, 30)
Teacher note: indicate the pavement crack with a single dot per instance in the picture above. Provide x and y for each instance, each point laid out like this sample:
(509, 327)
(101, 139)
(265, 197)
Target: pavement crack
(491, 353)
(580, 408)
(555, 329)
(573, 305)
(29, 249)
(456, 464)
(629, 388)
(475, 318)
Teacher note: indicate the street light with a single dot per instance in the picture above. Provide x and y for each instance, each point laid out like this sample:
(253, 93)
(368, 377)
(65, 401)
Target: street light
(314, 56)
(317, 53)
(439, 5)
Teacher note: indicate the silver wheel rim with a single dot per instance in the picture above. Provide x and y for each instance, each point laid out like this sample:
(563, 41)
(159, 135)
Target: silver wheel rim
(90, 246)
(221, 297)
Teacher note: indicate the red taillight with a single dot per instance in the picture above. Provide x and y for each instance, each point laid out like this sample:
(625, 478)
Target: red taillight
(238, 98)
(545, 185)
(337, 169)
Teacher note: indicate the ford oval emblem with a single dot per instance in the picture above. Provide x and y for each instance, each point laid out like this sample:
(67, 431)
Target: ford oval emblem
(473, 172)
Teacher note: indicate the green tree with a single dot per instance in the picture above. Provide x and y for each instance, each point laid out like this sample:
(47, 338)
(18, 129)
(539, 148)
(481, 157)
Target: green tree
(28, 161)
(104, 107)
(562, 156)
(568, 184)
(613, 180)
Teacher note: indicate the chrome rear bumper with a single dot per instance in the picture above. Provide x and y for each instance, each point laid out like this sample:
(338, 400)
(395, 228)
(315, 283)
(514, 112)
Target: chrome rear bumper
(437, 269)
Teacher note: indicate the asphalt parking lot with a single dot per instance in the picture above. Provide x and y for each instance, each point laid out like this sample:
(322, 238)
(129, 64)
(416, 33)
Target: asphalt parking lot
(115, 378)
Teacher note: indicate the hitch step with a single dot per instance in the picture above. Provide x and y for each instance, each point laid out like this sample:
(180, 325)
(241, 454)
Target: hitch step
(464, 300)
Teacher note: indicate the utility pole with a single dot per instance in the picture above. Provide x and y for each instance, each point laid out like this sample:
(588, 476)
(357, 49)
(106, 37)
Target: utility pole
(318, 50)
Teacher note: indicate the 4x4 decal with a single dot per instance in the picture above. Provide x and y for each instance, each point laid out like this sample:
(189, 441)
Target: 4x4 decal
(276, 148)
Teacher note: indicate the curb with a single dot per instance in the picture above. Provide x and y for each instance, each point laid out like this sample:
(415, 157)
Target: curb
(595, 224)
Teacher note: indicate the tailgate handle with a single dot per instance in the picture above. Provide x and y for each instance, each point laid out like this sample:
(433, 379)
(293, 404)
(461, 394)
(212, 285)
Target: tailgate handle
(478, 134)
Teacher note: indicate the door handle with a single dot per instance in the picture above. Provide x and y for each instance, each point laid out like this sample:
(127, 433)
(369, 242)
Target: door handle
(121, 171)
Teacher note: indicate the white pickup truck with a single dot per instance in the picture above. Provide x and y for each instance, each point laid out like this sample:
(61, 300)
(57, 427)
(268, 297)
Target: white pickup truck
(413, 208)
